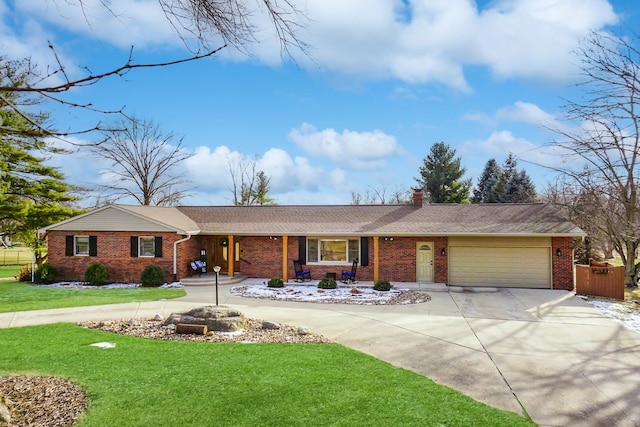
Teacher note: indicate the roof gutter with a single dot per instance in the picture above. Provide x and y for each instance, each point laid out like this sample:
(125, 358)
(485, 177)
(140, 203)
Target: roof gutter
(175, 256)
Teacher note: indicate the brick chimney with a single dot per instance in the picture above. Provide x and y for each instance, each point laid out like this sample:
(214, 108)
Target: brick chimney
(417, 197)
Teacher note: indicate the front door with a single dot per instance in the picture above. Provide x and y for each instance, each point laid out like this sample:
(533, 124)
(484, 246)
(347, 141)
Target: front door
(218, 253)
(424, 261)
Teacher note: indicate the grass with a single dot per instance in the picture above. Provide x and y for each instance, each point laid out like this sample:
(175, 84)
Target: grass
(143, 382)
(8, 271)
(19, 296)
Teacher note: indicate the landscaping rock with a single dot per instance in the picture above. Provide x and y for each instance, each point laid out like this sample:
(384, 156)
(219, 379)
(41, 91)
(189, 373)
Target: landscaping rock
(270, 325)
(158, 317)
(303, 330)
(5, 415)
(221, 319)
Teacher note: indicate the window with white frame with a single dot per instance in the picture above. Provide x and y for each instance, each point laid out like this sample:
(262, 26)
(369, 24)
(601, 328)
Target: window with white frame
(147, 246)
(81, 245)
(332, 250)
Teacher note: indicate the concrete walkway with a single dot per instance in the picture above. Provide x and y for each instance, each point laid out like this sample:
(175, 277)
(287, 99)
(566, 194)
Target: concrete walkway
(543, 351)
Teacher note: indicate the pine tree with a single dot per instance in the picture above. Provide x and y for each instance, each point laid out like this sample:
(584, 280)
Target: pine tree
(519, 189)
(440, 176)
(486, 182)
(32, 194)
(504, 184)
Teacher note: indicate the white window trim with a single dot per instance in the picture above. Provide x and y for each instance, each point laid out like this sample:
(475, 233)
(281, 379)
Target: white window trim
(331, 238)
(75, 245)
(140, 247)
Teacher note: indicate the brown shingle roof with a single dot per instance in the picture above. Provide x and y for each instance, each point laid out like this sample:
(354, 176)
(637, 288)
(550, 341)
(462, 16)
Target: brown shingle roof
(434, 219)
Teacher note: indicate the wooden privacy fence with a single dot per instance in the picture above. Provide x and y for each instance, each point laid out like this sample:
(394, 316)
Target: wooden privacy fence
(603, 281)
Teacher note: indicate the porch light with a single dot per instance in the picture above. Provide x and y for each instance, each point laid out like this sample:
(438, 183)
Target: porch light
(443, 252)
(558, 252)
(389, 238)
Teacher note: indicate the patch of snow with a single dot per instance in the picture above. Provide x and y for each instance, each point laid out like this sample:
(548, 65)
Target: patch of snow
(311, 293)
(624, 313)
(84, 285)
(103, 345)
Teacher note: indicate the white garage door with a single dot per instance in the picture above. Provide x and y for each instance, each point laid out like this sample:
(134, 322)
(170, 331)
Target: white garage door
(502, 266)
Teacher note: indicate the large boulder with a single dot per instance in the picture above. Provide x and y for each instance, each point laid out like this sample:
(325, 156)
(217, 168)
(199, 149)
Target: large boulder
(217, 318)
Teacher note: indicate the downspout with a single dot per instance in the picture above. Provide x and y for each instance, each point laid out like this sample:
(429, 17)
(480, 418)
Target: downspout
(175, 256)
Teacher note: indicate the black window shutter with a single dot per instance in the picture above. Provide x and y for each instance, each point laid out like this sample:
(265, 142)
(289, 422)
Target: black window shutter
(302, 249)
(93, 245)
(364, 251)
(134, 246)
(158, 247)
(68, 247)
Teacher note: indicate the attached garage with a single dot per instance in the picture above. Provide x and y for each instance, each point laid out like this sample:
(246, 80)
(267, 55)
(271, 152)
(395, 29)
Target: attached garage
(518, 262)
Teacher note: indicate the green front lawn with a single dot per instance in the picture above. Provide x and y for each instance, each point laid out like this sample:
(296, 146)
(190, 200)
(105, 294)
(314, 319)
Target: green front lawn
(8, 271)
(144, 382)
(19, 296)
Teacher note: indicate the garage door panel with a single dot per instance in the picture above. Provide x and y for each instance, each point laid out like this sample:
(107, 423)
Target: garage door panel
(500, 266)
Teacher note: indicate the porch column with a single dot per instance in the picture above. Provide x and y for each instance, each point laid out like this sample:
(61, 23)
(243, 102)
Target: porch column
(376, 259)
(285, 261)
(231, 256)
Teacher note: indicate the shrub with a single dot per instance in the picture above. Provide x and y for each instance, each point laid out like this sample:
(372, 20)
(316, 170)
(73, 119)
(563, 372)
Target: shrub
(96, 274)
(45, 273)
(327, 283)
(24, 275)
(152, 276)
(382, 285)
(276, 282)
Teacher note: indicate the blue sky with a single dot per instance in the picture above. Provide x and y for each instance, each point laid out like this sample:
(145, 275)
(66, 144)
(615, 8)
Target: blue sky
(382, 82)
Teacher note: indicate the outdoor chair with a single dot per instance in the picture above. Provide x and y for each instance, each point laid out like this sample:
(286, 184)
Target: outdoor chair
(301, 274)
(350, 276)
(199, 266)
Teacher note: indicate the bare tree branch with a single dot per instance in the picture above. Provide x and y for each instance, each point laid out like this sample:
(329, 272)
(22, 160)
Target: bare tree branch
(603, 149)
(143, 163)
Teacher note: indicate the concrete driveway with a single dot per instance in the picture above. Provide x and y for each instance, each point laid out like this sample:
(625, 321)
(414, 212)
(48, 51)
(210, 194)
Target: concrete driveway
(544, 352)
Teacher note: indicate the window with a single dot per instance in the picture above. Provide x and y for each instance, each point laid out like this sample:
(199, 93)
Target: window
(147, 246)
(81, 245)
(332, 250)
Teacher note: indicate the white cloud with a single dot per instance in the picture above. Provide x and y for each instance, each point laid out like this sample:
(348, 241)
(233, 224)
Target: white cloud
(418, 42)
(526, 112)
(123, 23)
(361, 150)
(209, 170)
(433, 40)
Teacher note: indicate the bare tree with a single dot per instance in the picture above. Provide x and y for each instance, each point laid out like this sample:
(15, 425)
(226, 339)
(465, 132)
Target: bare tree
(603, 148)
(588, 211)
(378, 196)
(214, 25)
(144, 162)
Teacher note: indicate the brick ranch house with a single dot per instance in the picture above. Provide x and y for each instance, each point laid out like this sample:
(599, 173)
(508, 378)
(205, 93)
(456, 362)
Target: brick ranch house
(508, 245)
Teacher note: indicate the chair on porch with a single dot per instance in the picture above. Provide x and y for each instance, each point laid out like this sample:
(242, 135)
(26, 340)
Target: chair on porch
(301, 274)
(350, 276)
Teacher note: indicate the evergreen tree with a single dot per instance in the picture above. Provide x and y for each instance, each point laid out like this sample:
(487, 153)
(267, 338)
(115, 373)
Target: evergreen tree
(32, 194)
(519, 189)
(262, 189)
(440, 176)
(504, 184)
(486, 182)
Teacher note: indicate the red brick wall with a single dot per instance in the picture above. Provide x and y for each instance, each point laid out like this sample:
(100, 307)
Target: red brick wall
(113, 253)
(562, 265)
(398, 259)
(261, 256)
